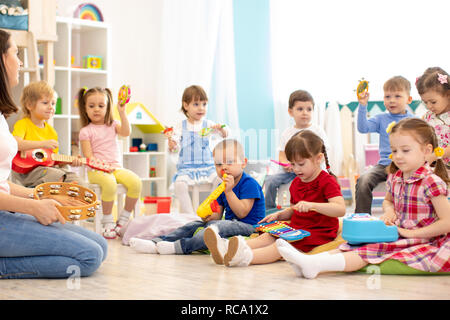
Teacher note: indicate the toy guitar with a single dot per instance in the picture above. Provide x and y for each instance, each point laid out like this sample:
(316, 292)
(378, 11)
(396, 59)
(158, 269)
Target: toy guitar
(25, 161)
(282, 230)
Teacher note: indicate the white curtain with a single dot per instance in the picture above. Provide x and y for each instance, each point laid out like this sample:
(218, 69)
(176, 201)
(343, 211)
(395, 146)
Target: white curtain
(196, 38)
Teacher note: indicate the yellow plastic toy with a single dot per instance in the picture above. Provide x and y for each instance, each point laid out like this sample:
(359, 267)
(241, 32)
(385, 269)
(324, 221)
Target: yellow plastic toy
(363, 88)
(204, 209)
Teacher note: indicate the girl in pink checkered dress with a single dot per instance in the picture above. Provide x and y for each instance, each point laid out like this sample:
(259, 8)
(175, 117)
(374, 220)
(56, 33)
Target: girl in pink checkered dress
(416, 202)
(434, 89)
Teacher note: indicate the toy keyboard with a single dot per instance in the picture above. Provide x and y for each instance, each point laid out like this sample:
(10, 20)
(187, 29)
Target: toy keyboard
(282, 230)
(361, 228)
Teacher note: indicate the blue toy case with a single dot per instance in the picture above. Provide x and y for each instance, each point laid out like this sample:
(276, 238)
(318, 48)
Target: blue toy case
(362, 228)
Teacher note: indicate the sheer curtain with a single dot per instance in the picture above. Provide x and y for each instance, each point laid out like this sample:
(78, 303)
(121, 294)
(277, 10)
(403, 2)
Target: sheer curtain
(326, 46)
(196, 42)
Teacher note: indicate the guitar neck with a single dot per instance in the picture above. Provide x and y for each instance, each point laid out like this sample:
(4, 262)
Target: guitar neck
(66, 159)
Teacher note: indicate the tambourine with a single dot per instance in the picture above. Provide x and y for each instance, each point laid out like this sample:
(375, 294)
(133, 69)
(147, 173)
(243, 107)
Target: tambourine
(70, 213)
(124, 95)
(362, 88)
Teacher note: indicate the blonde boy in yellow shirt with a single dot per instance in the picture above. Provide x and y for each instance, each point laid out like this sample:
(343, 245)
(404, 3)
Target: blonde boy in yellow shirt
(32, 132)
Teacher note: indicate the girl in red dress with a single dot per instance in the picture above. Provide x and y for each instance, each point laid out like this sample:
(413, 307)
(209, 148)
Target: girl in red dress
(416, 202)
(316, 204)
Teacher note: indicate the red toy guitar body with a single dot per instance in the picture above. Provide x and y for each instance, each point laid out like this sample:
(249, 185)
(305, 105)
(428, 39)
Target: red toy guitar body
(25, 161)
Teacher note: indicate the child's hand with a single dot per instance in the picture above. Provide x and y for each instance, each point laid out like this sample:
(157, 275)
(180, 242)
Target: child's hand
(77, 162)
(50, 144)
(405, 233)
(389, 217)
(172, 145)
(229, 183)
(270, 217)
(364, 99)
(303, 206)
(121, 107)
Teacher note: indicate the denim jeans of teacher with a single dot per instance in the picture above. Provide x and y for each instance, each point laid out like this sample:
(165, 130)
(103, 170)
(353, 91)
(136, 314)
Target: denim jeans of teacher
(365, 185)
(186, 242)
(271, 185)
(29, 249)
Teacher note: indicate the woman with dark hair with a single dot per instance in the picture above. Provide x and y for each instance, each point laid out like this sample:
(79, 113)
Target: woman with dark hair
(35, 241)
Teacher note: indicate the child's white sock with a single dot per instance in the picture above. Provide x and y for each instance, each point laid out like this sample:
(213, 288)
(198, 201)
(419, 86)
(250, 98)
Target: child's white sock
(312, 265)
(288, 246)
(165, 247)
(143, 246)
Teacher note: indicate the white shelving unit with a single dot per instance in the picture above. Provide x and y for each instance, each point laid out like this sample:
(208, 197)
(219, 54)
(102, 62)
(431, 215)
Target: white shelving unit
(77, 38)
(147, 128)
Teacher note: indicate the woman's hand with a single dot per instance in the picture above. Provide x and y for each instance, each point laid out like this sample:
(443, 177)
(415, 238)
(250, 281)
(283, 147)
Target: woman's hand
(65, 200)
(46, 213)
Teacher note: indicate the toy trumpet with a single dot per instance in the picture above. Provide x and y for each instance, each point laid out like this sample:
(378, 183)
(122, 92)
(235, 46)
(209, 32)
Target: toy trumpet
(206, 131)
(204, 209)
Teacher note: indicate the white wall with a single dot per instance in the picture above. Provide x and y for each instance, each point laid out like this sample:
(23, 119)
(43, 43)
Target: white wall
(136, 26)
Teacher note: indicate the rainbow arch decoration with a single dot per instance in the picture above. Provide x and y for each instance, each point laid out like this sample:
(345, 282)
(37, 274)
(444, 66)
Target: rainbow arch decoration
(88, 11)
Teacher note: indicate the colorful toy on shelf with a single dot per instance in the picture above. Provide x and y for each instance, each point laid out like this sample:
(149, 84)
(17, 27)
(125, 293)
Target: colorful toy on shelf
(88, 11)
(207, 131)
(152, 172)
(134, 149)
(361, 228)
(124, 95)
(281, 163)
(282, 230)
(142, 147)
(204, 209)
(362, 88)
(168, 132)
(92, 62)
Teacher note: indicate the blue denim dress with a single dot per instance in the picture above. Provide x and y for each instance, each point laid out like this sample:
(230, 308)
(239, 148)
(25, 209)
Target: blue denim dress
(195, 161)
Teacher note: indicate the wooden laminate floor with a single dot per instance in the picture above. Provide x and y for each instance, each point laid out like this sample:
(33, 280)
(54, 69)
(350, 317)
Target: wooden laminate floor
(127, 274)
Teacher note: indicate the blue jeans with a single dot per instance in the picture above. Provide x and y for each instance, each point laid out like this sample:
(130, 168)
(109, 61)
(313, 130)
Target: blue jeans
(29, 249)
(186, 242)
(272, 183)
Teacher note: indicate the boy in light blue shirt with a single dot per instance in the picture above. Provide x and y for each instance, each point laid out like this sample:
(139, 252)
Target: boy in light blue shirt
(396, 99)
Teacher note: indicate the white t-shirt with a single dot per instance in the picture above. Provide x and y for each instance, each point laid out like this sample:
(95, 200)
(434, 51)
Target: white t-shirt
(289, 132)
(8, 147)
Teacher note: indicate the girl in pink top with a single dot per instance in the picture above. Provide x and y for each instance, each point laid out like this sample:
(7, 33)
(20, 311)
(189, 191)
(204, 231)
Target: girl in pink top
(98, 139)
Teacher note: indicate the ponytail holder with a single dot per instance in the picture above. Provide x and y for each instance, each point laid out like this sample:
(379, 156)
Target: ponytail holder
(442, 78)
(439, 152)
(390, 126)
(390, 156)
(86, 89)
(328, 168)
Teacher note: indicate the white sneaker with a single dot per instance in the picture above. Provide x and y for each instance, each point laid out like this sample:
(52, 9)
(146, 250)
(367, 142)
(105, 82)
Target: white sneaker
(239, 254)
(217, 246)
